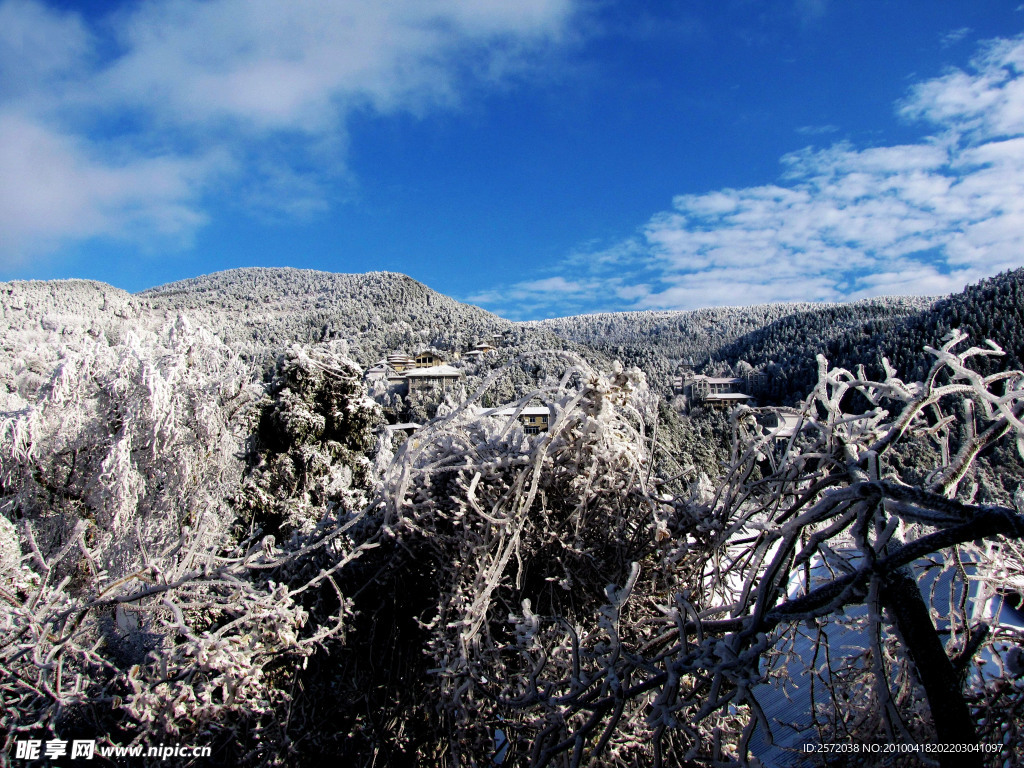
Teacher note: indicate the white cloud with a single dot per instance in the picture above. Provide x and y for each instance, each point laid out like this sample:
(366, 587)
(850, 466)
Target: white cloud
(531, 297)
(843, 222)
(816, 130)
(985, 104)
(954, 36)
(811, 10)
(196, 87)
(38, 47)
(534, 293)
(53, 188)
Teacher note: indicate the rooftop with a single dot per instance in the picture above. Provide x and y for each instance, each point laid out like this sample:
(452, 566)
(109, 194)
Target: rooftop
(434, 372)
(508, 410)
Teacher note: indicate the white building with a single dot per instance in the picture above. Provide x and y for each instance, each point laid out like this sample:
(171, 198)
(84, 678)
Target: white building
(442, 376)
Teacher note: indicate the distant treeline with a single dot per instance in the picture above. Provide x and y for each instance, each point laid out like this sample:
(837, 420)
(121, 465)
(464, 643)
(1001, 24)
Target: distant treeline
(862, 334)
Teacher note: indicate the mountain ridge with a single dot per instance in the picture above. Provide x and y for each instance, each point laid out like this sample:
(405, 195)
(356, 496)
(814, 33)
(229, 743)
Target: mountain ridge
(260, 311)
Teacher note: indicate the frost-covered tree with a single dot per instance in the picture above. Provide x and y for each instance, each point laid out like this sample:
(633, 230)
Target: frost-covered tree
(480, 522)
(127, 452)
(188, 550)
(315, 428)
(810, 557)
(141, 607)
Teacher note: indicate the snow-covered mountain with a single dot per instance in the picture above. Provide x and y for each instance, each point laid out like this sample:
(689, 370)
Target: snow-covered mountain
(259, 312)
(259, 308)
(209, 534)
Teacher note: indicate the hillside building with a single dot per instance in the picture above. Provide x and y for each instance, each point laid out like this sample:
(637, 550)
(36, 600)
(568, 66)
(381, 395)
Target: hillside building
(428, 359)
(479, 350)
(406, 428)
(442, 376)
(718, 391)
(401, 362)
(714, 391)
(534, 418)
(378, 372)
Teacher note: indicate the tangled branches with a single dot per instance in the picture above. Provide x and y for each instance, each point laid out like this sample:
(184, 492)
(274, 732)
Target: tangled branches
(810, 537)
(129, 606)
(588, 617)
(498, 596)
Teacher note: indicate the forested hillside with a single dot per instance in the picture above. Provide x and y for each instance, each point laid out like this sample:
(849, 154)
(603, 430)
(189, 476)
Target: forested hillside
(693, 335)
(783, 339)
(259, 313)
(898, 329)
(261, 310)
(40, 322)
(657, 342)
(991, 309)
(212, 534)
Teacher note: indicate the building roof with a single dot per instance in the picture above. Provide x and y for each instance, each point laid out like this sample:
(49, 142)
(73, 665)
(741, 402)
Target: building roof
(405, 426)
(714, 380)
(728, 396)
(530, 410)
(434, 372)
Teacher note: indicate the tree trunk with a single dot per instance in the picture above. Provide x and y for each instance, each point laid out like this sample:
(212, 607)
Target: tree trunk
(950, 715)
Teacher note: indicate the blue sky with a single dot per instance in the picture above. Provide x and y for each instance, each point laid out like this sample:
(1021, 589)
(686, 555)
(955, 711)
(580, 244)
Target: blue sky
(536, 157)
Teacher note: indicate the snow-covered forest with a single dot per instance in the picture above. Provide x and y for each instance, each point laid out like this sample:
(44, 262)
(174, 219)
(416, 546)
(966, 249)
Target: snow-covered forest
(209, 535)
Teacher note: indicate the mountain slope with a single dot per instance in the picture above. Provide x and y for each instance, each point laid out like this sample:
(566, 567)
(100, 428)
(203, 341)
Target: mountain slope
(40, 321)
(898, 330)
(256, 309)
(258, 312)
(658, 342)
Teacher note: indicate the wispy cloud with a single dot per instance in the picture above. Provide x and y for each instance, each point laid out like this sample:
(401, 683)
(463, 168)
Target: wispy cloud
(844, 222)
(811, 10)
(955, 36)
(55, 187)
(530, 298)
(130, 120)
(816, 130)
